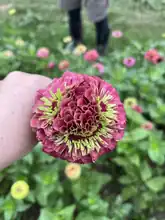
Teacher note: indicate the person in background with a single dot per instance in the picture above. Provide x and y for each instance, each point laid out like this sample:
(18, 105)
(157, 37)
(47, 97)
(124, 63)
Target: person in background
(97, 11)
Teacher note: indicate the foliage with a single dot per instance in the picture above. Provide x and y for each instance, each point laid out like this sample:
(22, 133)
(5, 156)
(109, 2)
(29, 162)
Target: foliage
(126, 184)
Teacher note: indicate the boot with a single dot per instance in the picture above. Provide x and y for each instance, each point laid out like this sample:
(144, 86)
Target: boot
(102, 35)
(75, 28)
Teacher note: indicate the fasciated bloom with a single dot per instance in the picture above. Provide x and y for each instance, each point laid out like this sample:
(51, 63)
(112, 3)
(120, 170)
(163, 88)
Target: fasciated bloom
(43, 52)
(20, 190)
(129, 62)
(99, 67)
(91, 55)
(78, 118)
(73, 171)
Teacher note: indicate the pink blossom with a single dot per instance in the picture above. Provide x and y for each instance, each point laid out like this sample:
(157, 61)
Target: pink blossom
(117, 34)
(148, 126)
(153, 56)
(78, 118)
(51, 65)
(137, 108)
(99, 67)
(91, 55)
(43, 52)
(129, 62)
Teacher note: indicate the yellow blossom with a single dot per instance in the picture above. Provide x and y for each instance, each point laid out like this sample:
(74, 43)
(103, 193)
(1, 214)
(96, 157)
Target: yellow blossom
(20, 190)
(67, 39)
(8, 53)
(80, 49)
(20, 42)
(130, 102)
(12, 11)
(73, 171)
(163, 35)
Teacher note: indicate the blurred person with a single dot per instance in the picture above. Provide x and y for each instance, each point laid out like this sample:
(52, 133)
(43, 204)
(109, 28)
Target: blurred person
(17, 93)
(97, 11)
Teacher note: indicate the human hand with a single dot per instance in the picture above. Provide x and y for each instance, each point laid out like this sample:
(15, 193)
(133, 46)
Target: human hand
(17, 93)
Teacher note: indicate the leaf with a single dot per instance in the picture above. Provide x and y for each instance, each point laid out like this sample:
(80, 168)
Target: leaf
(146, 171)
(90, 216)
(135, 159)
(129, 192)
(155, 151)
(45, 214)
(67, 212)
(137, 134)
(121, 161)
(156, 184)
(135, 116)
(125, 180)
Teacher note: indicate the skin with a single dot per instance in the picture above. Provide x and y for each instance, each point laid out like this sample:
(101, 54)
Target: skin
(17, 93)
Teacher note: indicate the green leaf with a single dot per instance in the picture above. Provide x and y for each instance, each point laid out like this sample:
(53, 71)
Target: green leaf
(67, 212)
(156, 184)
(125, 180)
(137, 134)
(145, 171)
(135, 116)
(135, 159)
(129, 192)
(45, 214)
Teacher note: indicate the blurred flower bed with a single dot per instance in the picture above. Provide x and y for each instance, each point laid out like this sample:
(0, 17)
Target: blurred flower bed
(126, 184)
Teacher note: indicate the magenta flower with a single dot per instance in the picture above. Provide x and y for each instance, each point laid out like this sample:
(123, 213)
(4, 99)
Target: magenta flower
(51, 65)
(117, 34)
(148, 126)
(91, 55)
(129, 62)
(99, 67)
(137, 108)
(43, 52)
(78, 118)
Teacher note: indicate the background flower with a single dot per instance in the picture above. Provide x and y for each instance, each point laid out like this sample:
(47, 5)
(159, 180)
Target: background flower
(117, 34)
(129, 62)
(43, 52)
(63, 65)
(91, 55)
(80, 49)
(20, 190)
(99, 67)
(73, 171)
(51, 65)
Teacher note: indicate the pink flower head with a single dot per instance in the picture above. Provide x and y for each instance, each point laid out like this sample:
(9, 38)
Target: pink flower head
(157, 59)
(137, 108)
(99, 67)
(153, 56)
(43, 52)
(147, 126)
(78, 118)
(51, 65)
(91, 55)
(129, 62)
(117, 34)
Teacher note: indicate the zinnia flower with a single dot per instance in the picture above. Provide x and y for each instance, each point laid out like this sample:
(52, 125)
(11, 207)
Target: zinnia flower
(148, 126)
(8, 53)
(153, 56)
(20, 42)
(63, 65)
(51, 65)
(130, 102)
(80, 49)
(73, 171)
(129, 62)
(137, 108)
(99, 67)
(78, 118)
(117, 34)
(43, 52)
(20, 190)
(163, 35)
(91, 55)
(12, 11)
(67, 39)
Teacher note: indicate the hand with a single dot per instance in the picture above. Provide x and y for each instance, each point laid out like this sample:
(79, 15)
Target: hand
(17, 93)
